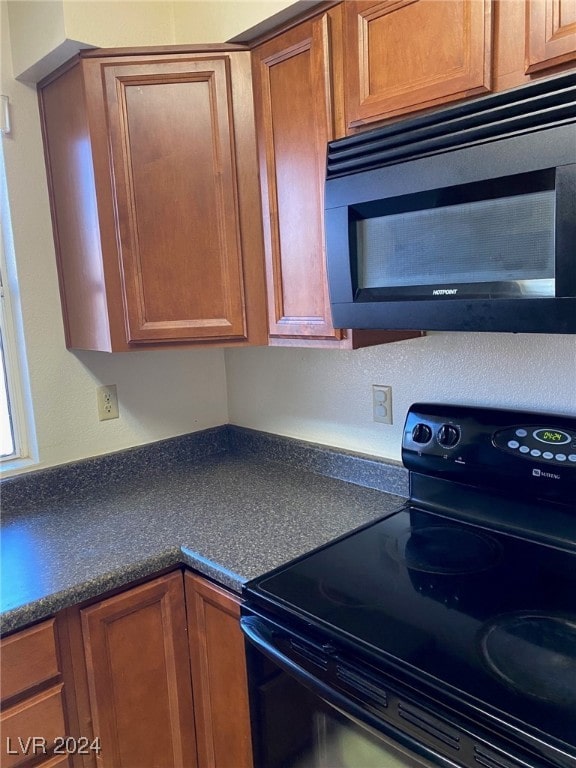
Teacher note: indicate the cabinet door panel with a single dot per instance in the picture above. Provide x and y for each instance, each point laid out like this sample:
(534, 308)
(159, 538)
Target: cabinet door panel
(550, 33)
(219, 676)
(139, 677)
(294, 123)
(173, 154)
(405, 55)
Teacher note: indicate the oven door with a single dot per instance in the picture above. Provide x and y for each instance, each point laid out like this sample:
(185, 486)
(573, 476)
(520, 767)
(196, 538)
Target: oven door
(314, 707)
(300, 723)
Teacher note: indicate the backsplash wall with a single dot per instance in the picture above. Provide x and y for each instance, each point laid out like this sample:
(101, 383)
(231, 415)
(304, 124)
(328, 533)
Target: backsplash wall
(326, 396)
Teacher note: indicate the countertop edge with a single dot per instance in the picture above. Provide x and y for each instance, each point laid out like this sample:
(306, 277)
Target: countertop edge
(174, 557)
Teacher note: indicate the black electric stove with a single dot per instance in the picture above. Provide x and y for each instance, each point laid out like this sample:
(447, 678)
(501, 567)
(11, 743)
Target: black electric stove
(467, 594)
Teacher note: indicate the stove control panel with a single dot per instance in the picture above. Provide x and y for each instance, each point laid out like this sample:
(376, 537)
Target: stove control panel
(488, 446)
(554, 445)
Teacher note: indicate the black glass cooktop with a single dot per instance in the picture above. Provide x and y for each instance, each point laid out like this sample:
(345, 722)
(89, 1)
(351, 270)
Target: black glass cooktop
(465, 608)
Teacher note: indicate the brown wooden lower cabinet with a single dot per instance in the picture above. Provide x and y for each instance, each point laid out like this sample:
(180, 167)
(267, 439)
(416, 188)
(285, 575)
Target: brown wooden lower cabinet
(139, 676)
(154, 676)
(218, 676)
(33, 720)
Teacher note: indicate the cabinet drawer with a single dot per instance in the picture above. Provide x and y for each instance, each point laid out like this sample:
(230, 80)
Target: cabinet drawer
(29, 658)
(41, 716)
(58, 761)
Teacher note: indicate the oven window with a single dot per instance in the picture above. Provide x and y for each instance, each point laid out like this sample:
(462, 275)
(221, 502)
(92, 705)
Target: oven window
(341, 743)
(295, 728)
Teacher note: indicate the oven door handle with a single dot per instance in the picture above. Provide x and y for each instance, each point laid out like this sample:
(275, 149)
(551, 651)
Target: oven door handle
(260, 635)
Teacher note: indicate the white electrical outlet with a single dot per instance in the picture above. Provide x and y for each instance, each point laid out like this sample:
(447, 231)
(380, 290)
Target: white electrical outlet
(107, 397)
(382, 403)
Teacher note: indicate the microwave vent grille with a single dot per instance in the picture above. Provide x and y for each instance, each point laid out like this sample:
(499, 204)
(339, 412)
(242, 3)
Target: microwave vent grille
(532, 107)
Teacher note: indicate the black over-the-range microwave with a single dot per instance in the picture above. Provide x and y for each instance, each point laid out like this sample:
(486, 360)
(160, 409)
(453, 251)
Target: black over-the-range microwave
(462, 219)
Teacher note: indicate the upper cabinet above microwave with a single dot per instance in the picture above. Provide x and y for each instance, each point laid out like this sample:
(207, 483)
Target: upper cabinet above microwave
(550, 33)
(152, 173)
(299, 108)
(405, 55)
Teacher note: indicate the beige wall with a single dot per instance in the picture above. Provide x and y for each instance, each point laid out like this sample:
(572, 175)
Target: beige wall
(219, 20)
(45, 33)
(161, 394)
(326, 396)
(36, 28)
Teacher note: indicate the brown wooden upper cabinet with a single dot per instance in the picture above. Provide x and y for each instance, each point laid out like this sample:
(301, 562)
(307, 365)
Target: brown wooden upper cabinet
(406, 55)
(550, 33)
(299, 96)
(152, 174)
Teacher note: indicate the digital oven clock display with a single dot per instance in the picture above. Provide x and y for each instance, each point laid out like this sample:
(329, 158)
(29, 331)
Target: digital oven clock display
(551, 436)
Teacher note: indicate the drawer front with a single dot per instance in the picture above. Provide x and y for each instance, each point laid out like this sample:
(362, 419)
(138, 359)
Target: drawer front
(58, 761)
(29, 658)
(30, 727)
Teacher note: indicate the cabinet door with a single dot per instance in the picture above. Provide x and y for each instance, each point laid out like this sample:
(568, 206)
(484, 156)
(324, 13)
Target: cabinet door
(173, 156)
(152, 173)
(219, 676)
(139, 677)
(296, 115)
(299, 96)
(550, 33)
(406, 55)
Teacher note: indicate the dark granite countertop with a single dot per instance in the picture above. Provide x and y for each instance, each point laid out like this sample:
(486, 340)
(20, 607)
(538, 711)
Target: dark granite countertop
(230, 503)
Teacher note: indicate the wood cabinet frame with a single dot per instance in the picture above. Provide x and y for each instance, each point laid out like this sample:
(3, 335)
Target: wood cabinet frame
(305, 50)
(218, 672)
(135, 646)
(158, 239)
(177, 628)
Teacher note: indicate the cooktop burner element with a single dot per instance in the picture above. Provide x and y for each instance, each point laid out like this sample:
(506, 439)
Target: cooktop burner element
(445, 550)
(535, 654)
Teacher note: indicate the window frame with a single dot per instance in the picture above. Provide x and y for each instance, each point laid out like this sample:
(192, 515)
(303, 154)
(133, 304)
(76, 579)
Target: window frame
(12, 337)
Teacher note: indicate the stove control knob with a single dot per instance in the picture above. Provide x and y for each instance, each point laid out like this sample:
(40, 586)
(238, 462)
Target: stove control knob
(448, 435)
(421, 433)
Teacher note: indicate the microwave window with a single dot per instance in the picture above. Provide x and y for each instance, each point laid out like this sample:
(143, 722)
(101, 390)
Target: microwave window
(504, 244)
